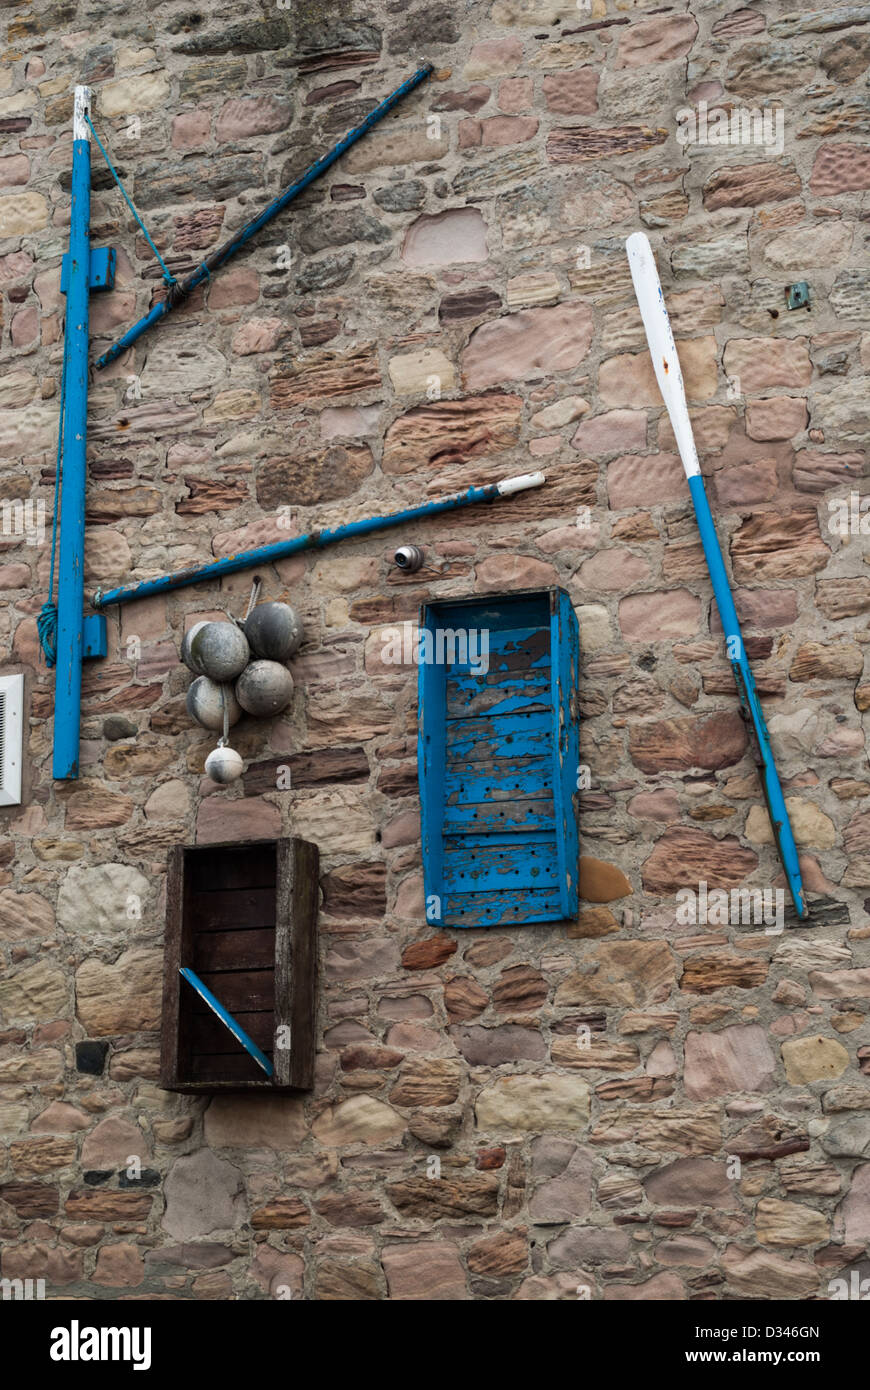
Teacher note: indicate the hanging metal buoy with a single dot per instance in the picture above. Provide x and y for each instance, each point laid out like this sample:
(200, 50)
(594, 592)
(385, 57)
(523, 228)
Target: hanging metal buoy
(264, 688)
(274, 631)
(205, 703)
(185, 644)
(224, 764)
(218, 650)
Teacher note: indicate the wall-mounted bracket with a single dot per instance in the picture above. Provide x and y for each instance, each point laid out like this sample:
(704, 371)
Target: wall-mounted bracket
(797, 296)
(101, 274)
(95, 643)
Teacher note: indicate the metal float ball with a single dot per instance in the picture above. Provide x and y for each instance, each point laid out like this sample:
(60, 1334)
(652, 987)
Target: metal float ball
(274, 631)
(219, 650)
(185, 644)
(224, 765)
(205, 703)
(264, 688)
(408, 558)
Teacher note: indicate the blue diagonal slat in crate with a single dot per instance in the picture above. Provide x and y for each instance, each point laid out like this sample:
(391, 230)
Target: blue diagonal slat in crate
(226, 1019)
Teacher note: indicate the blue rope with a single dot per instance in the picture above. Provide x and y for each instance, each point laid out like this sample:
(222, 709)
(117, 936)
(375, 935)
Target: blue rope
(46, 623)
(167, 274)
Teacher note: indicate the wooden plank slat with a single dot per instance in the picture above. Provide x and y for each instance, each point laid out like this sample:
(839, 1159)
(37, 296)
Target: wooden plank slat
(296, 960)
(526, 813)
(489, 738)
(170, 1021)
(240, 991)
(209, 1036)
(497, 613)
(498, 867)
(489, 909)
(239, 908)
(234, 950)
(566, 748)
(498, 694)
(512, 649)
(213, 868)
(285, 982)
(502, 780)
(233, 1069)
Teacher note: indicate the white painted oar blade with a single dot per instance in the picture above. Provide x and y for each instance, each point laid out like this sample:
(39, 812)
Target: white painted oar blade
(520, 483)
(660, 340)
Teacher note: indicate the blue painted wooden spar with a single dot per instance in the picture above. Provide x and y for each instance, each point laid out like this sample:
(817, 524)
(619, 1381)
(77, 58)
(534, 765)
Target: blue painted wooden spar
(227, 1019)
(314, 540)
(498, 758)
(749, 702)
(70, 643)
(666, 365)
(181, 289)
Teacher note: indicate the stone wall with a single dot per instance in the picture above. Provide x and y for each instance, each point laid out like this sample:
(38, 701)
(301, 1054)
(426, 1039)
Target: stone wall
(526, 1113)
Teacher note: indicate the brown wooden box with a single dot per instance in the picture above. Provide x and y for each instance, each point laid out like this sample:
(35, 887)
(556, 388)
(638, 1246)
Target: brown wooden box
(244, 918)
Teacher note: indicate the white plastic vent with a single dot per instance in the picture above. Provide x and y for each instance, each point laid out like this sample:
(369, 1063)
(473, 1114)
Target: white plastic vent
(11, 738)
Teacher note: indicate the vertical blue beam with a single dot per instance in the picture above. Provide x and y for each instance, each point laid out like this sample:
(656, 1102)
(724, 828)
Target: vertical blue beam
(70, 597)
(564, 694)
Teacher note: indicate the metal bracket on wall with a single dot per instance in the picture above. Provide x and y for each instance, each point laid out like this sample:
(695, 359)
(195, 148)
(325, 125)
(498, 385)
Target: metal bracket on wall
(797, 296)
(95, 642)
(101, 273)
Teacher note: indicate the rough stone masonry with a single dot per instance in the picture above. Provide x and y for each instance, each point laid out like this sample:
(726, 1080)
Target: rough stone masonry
(626, 1104)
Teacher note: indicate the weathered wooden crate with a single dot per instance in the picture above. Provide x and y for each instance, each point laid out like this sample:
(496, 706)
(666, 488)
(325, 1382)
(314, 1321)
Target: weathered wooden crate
(244, 918)
(498, 758)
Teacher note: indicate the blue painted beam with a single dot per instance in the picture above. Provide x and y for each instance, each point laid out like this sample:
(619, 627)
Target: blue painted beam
(750, 705)
(314, 540)
(182, 288)
(70, 597)
(227, 1019)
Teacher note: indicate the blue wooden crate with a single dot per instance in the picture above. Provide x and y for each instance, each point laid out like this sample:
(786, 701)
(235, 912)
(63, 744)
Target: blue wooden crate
(498, 756)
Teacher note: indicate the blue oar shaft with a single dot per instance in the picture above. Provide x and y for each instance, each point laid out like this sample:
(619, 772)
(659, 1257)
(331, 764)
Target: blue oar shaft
(314, 540)
(749, 700)
(183, 288)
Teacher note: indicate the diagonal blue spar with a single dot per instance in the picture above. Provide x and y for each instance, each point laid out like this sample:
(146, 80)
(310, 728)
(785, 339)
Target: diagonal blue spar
(179, 290)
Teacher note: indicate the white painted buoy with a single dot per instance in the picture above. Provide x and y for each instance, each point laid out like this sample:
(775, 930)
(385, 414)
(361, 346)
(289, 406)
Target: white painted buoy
(274, 631)
(185, 644)
(205, 703)
(264, 688)
(219, 650)
(224, 765)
